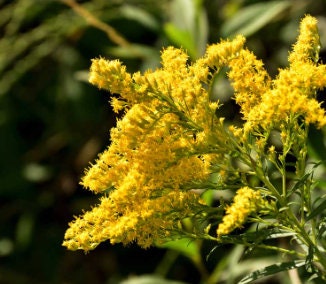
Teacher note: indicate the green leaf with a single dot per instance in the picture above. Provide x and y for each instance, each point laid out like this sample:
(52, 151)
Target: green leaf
(321, 226)
(309, 266)
(201, 30)
(187, 247)
(256, 237)
(181, 38)
(303, 179)
(188, 26)
(281, 234)
(182, 13)
(208, 196)
(299, 183)
(270, 270)
(140, 15)
(250, 19)
(150, 56)
(318, 210)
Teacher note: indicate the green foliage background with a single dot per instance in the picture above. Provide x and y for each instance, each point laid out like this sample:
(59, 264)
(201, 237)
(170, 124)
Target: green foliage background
(53, 123)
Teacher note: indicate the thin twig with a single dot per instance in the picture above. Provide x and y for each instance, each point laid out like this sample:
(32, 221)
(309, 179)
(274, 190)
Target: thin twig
(93, 21)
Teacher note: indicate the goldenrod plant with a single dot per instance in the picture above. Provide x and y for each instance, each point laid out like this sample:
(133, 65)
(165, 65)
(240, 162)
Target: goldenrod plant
(171, 150)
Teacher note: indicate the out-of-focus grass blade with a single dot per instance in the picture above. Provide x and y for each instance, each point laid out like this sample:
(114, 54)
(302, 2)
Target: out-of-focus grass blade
(133, 51)
(139, 15)
(150, 56)
(252, 18)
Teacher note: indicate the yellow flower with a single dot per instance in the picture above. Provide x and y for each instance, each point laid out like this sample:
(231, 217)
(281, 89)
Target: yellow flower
(219, 55)
(308, 45)
(128, 218)
(249, 80)
(170, 140)
(267, 103)
(245, 202)
(111, 76)
(157, 154)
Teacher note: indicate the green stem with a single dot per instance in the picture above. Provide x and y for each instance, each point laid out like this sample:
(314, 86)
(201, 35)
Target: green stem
(261, 175)
(216, 274)
(293, 221)
(166, 263)
(281, 250)
(303, 235)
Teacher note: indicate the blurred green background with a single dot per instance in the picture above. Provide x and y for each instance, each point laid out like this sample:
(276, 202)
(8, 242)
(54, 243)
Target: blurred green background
(53, 123)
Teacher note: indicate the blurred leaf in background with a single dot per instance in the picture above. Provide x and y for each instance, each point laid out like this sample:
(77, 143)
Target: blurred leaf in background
(52, 123)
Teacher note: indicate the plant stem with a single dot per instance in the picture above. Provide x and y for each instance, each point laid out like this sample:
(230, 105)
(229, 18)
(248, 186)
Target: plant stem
(93, 21)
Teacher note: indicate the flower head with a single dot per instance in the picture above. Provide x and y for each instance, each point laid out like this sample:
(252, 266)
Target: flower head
(170, 140)
(267, 103)
(161, 150)
(245, 202)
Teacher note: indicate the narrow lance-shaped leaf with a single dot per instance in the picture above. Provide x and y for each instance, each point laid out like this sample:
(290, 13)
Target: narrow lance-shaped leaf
(272, 269)
(318, 210)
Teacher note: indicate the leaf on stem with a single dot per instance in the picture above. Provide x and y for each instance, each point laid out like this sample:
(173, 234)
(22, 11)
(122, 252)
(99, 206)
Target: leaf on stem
(185, 246)
(303, 179)
(272, 269)
(318, 210)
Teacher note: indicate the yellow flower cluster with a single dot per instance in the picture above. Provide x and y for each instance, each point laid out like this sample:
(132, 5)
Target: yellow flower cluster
(170, 140)
(267, 103)
(245, 202)
(161, 149)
